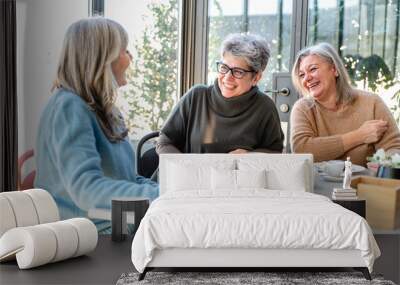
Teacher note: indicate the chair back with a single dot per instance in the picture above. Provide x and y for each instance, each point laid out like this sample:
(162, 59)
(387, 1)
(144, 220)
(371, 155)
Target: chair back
(27, 181)
(147, 161)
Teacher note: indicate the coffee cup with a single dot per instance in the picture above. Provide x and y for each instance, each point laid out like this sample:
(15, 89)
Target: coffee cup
(334, 168)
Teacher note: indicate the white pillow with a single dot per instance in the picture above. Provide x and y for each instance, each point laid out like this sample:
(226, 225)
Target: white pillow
(185, 177)
(222, 179)
(251, 178)
(193, 175)
(296, 181)
(282, 174)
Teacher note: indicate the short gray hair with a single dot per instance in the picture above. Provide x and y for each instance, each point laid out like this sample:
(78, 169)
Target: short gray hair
(252, 48)
(326, 51)
(90, 46)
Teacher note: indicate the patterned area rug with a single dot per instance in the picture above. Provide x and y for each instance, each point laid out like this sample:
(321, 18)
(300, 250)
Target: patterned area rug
(243, 278)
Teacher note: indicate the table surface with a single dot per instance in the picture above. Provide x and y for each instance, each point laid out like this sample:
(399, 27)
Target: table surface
(325, 188)
(102, 266)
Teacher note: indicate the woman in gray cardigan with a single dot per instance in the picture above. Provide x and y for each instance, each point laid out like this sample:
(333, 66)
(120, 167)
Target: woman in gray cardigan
(232, 115)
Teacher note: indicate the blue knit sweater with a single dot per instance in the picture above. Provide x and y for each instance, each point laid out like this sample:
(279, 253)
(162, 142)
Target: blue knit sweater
(78, 165)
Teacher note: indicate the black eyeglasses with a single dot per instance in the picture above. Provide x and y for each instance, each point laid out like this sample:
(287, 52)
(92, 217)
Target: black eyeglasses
(236, 71)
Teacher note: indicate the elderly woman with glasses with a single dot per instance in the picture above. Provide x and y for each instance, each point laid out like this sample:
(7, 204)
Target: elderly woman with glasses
(232, 115)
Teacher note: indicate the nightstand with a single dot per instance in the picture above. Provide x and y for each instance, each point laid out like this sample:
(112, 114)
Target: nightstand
(357, 206)
(119, 209)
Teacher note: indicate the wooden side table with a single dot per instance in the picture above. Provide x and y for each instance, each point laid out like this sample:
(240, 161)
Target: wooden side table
(119, 208)
(357, 206)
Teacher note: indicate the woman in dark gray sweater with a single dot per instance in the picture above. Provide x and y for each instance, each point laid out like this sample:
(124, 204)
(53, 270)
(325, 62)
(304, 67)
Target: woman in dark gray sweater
(232, 115)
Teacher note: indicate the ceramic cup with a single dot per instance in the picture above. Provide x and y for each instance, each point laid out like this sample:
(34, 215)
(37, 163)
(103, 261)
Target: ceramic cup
(334, 168)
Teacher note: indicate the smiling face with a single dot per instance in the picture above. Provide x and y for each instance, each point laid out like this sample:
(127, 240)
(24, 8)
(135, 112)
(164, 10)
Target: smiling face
(318, 78)
(231, 86)
(120, 65)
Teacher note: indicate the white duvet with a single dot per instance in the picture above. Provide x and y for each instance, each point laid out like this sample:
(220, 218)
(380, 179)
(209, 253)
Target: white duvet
(250, 219)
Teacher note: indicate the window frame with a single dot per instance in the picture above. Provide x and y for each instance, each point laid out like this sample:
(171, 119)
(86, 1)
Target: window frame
(96, 7)
(193, 37)
(298, 36)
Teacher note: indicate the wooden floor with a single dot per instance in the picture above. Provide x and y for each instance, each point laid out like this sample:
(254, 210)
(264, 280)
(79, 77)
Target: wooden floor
(102, 266)
(110, 259)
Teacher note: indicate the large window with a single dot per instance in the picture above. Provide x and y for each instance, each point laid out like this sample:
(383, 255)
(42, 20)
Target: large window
(366, 34)
(152, 77)
(270, 19)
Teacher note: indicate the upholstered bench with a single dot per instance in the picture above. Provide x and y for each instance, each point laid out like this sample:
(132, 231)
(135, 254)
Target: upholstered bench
(31, 233)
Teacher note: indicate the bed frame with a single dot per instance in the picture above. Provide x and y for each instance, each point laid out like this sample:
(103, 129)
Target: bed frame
(248, 259)
(245, 259)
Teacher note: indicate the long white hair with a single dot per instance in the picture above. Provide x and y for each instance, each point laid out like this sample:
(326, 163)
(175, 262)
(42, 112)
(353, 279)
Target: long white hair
(90, 46)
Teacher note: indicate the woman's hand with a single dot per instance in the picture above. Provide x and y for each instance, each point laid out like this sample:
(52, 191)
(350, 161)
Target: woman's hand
(372, 131)
(239, 151)
(369, 132)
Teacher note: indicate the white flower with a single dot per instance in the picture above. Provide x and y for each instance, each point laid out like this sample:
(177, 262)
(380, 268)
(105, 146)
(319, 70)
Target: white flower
(379, 155)
(396, 160)
(384, 159)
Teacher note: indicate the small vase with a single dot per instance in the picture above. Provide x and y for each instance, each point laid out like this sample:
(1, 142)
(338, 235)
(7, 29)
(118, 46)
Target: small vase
(388, 172)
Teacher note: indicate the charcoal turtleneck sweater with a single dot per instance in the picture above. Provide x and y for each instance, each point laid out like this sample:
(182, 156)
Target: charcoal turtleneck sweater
(204, 121)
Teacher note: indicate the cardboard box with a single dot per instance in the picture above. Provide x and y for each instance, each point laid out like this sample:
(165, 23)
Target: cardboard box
(382, 196)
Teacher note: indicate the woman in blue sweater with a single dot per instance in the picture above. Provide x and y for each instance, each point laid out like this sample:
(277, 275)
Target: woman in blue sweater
(83, 155)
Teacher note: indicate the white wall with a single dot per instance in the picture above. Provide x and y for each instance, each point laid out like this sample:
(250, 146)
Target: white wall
(41, 25)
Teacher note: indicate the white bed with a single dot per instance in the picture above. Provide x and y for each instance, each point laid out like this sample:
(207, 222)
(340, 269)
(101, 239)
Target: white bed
(254, 210)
